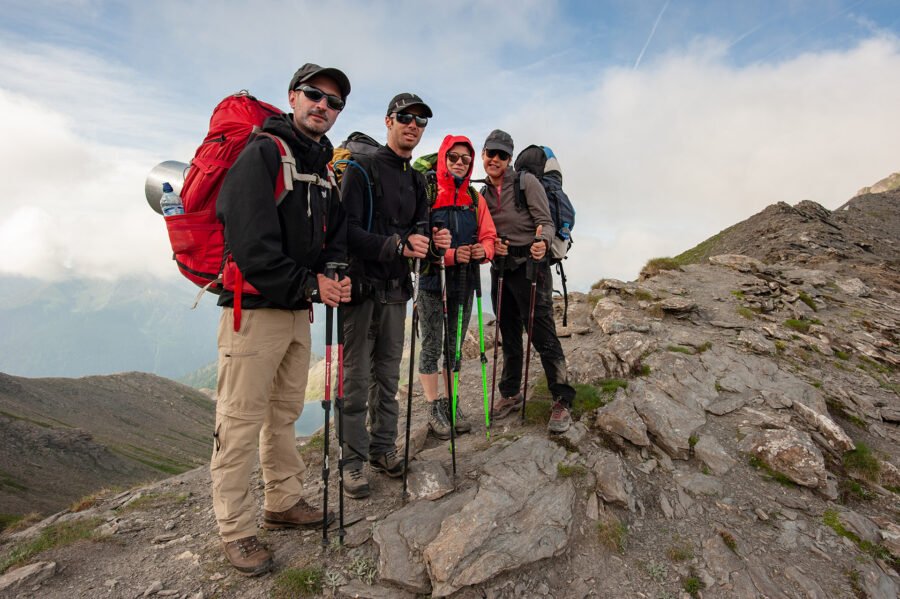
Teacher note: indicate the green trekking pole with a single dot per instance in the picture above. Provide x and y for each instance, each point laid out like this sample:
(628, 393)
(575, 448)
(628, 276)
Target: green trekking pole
(487, 408)
(461, 305)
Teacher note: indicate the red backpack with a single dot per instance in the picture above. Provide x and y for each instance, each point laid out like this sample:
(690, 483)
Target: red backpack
(197, 236)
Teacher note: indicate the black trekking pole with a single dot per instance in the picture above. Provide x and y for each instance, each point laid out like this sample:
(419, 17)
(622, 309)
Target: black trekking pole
(420, 229)
(443, 273)
(341, 270)
(500, 265)
(462, 289)
(531, 273)
(326, 405)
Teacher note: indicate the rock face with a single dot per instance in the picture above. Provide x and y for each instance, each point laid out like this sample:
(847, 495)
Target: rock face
(520, 514)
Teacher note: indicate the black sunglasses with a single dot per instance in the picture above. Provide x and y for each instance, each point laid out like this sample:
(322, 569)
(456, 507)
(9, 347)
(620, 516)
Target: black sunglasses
(497, 154)
(405, 118)
(453, 158)
(316, 95)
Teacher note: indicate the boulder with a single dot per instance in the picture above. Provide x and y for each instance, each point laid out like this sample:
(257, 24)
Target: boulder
(789, 452)
(27, 576)
(612, 484)
(833, 434)
(708, 451)
(427, 480)
(737, 262)
(670, 423)
(620, 418)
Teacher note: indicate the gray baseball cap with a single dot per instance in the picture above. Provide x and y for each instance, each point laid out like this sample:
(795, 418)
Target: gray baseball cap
(310, 70)
(401, 102)
(499, 140)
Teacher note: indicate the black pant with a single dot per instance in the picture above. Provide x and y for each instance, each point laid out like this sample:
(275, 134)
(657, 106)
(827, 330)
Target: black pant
(514, 321)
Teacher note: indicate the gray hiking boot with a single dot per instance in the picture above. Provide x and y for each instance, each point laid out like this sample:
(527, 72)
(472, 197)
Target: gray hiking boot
(506, 405)
(437, 418)
(356, 485)
(462, 423)
(389, 463)
(560, 418)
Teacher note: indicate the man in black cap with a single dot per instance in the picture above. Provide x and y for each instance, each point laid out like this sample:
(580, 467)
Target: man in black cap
(279, 247)
(379, 257)
(524, 223)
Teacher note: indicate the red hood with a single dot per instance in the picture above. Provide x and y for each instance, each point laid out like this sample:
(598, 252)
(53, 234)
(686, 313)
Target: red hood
(445, 181)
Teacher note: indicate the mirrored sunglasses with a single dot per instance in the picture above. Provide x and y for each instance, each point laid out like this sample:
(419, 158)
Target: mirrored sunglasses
(316, 95)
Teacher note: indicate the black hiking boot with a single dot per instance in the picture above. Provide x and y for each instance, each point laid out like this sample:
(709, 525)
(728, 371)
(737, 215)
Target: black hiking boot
(437, 418)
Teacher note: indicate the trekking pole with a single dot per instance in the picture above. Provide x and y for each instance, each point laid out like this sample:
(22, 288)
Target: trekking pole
(463, 290)
(443, 276)
(501, 264)
(326, 405)
(487, 419)
(531, 273)
(420, 229)
(341, 270)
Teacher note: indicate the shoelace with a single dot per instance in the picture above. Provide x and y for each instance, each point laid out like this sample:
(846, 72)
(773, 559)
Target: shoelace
(557, 411)
(248, 546)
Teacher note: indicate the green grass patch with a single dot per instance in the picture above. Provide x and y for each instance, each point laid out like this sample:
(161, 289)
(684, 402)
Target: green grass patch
(738, 294)
(55, 535)
(644, 370)
(9, 520)
(692, 441)
(831, 519)
(863, 462)
(746, 312)
(8, 482)
(593, 300)
(681, 551)
(655, 266)
(537, 411)
(729, 541)
(801, 325)
(314, 444)
(570, 470)
(706, 346)
(780, 346)
(152, 459)
(612, 533)
(643, 295)
(809, 301)
(692, 584)
(873, 365)
(893, 489)
(89, 501)
(612, 385)
(298, 582)
(841, 355)
(771, 473)
(702, 250)
(851, 487)
(680, 349)
(39, 423)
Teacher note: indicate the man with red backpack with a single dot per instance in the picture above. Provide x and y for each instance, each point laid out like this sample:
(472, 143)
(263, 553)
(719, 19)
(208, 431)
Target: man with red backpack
(279, 246)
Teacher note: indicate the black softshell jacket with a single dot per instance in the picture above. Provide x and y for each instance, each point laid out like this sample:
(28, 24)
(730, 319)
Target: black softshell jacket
(403, 203)
(279, 249)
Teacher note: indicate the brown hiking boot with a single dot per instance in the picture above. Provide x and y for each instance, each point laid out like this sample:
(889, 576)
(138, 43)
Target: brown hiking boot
(560, 418)
(389, 463)
(301, 515)
(248, 556)
(506, 405)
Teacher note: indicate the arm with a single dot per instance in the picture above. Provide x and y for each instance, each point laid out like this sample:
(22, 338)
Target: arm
(487, 232)
(246, 206)
(360, 241)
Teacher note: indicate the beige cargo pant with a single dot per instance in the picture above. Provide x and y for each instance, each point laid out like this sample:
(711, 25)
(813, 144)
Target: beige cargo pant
(261, 388)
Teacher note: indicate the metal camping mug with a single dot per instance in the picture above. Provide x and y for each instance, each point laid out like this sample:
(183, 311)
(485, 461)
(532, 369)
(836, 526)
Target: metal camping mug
(170, 171)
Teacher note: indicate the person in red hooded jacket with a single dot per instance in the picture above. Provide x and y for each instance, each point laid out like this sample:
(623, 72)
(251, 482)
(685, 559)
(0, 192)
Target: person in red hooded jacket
(473, 234)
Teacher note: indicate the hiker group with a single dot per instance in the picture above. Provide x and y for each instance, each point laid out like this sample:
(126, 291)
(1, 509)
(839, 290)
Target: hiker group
(269, 227)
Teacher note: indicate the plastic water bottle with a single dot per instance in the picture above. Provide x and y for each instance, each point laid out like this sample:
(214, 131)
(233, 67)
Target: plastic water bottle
(170, 202)
(565, 231)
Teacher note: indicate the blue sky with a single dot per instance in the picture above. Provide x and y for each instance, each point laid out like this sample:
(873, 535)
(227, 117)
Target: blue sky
(672, 119)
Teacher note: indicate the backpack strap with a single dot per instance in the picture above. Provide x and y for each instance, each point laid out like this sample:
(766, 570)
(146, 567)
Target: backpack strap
(290, 173)
(518, 194)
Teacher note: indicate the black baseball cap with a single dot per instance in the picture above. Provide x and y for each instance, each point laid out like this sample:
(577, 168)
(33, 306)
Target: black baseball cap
(499, 140)
(401, 102)
(310, 70)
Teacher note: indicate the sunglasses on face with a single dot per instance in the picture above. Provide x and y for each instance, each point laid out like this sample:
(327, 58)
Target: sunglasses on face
(497, 154)
(453, 158)
(316, 95)
(405, 118)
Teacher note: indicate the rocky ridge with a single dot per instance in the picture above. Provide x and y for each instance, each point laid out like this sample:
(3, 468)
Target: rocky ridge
(738, 437)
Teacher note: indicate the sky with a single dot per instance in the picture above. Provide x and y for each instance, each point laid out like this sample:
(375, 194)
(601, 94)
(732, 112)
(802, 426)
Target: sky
(672, 119)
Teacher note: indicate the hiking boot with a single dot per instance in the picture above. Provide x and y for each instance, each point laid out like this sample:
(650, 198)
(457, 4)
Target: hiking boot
(560, 418)
(506, 405)
(437, 418)
(389, 463)
(301, 515)
(356, 485)
(462, 423)
(248, 556)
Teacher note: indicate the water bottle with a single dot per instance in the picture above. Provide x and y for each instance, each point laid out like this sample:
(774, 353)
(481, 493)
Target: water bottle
(565, 231)
(170, 203)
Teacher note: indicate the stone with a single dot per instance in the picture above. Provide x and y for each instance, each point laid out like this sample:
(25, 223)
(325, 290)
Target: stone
(861, 526)
(890, 538)
(853, 287)
(708, 451)
(877, 584)
(756, 342)
(576, 434)
(611, 482)
(721, 560)
(155, 587)
(619, 321)
(666, 507)
(698, 484)
(726, 405)
(356, 589)
(763, 583)
(737, 262)
(670, 423)
(592, 507)
(418, 433)
(27, 576)
(629, 348)
(811, 589)
(789, 452)
(834, 435)
(522, 513)
(677, 305)
(620, 418)
(427, 480)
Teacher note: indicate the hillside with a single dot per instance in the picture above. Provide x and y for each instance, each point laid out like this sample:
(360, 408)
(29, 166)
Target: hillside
(61, 439)
(738, 436)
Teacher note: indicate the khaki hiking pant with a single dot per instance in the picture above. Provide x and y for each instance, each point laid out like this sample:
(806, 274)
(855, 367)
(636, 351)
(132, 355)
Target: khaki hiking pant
(261, 388)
